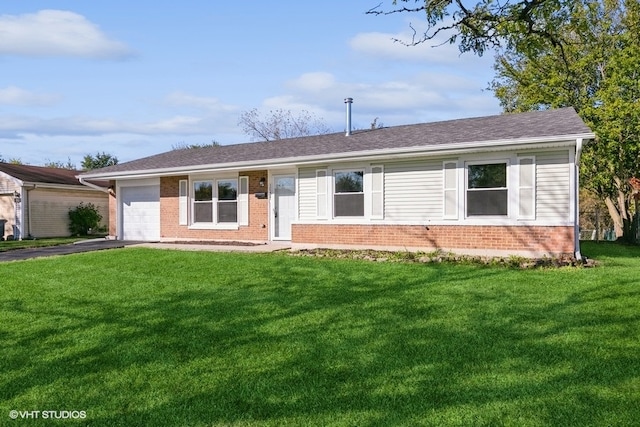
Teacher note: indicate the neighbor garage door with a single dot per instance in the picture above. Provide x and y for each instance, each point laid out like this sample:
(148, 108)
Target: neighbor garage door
(140, 212)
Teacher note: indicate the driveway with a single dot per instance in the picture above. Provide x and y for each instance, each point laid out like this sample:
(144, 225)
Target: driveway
(74, 248)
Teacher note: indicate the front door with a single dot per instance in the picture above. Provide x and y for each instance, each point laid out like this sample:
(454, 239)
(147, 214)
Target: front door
(284, 206)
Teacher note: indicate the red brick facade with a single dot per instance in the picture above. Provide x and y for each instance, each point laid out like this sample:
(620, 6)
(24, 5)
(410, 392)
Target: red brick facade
(531, 239)
(170, 227)
(511, 239)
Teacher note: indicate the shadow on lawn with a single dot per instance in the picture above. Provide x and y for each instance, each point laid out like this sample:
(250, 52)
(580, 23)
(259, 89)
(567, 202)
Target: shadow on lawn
(336, 344)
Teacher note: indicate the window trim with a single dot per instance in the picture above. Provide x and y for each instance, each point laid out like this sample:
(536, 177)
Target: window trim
(215, 224)
(508, 181)
(365, 214)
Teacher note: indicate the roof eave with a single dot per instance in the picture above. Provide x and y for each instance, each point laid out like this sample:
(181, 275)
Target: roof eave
(433, 150)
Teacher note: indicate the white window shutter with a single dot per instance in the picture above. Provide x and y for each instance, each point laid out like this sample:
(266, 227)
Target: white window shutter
(450, 190)
(527, 188)
(322, 184)
(243, 201)
(183, 201)
(377, 192)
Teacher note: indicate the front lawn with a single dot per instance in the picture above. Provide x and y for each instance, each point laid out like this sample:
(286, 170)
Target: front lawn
(167, 338)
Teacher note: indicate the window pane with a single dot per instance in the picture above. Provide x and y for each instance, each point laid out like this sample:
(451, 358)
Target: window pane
(348, 204)
(227, 189)
(203, 190)
(227, 212)
(203, 212)
(487, 202)
(349, 182)
(488, 176)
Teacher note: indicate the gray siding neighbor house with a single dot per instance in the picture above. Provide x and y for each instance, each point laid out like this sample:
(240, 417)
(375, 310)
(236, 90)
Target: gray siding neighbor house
(35, 200)
(504, 184)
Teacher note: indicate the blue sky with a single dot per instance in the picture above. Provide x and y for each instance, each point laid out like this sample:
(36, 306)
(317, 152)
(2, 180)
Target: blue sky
(136, 78)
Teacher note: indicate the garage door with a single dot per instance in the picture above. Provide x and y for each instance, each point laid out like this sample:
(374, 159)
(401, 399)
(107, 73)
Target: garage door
(140, 212)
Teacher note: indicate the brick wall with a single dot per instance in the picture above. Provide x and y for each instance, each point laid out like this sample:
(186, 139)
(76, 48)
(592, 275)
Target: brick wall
(473, 239)
(169, 214)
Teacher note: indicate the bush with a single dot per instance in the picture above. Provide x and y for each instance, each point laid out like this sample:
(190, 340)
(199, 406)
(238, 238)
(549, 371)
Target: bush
(84, 219)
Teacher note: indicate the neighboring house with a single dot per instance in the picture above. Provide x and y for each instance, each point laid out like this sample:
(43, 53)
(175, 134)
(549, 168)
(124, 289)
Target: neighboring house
(35, 201)
(505, 184)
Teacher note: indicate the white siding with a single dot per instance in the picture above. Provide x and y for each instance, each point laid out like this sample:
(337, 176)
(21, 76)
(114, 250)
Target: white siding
(49, 210)
(7, 212)
(413, 190)
(553, 185)
(307, 194)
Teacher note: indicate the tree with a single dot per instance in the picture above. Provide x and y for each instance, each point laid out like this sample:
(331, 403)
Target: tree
(597, 71)
(521, 24)
(281, 124)
(100, 160)
(60, 165)
(184, 146)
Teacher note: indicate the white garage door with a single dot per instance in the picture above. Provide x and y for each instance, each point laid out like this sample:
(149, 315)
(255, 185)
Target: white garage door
(140, 212)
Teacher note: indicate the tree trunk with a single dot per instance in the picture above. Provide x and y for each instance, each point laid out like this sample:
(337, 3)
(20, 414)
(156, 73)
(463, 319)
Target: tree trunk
(618, 225)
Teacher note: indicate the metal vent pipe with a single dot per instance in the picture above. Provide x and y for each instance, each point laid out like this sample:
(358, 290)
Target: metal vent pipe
(348, 101)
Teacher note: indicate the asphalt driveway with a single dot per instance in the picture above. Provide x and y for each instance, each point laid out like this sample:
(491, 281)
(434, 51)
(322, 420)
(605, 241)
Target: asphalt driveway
(74, 248)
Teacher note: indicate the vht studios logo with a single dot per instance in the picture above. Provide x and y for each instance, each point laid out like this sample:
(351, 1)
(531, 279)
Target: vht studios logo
(51, 415)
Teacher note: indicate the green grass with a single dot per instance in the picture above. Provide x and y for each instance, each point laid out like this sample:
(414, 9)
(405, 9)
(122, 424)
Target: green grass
(7, 245)
(148, 337)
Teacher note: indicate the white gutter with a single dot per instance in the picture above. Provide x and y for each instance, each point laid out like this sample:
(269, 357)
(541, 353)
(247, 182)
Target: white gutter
(440, 150)
(90, 185)
(576, 195)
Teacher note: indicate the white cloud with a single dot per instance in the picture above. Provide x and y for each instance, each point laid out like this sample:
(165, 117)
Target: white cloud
(57, 33)
(15, 96)
(182, 99)
(76, 125)
(317, 81)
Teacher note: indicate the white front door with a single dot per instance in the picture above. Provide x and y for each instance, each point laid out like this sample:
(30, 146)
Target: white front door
(284, 206)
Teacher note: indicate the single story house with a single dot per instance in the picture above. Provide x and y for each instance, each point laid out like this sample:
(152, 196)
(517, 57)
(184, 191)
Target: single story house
(504, 184)
(35, 201)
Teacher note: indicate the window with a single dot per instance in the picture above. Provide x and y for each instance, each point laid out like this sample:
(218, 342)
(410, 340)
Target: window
(227, 200)
(202, 201)
(487, 193)
(348, 195)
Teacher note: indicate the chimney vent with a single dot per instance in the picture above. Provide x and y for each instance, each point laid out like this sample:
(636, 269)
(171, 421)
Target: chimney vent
(348, 101)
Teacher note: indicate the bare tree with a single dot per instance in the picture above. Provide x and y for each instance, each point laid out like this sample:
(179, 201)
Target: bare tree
(281, 124)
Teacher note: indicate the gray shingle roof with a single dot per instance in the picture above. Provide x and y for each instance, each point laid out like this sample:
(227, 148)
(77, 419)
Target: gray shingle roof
(512, 127)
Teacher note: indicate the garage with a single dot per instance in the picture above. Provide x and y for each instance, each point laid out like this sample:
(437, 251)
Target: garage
(140, 212)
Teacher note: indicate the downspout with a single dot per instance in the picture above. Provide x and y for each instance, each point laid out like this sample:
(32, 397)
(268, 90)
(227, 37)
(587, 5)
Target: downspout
(576, 195)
